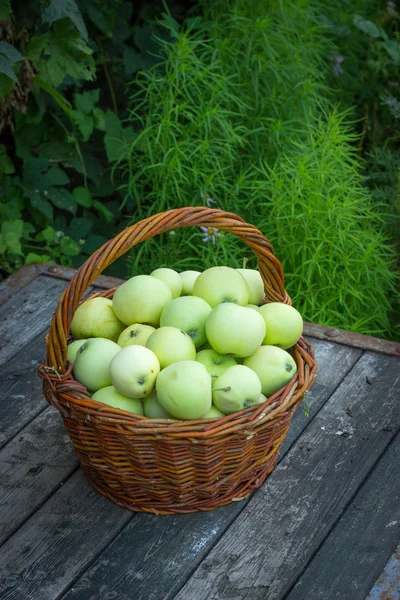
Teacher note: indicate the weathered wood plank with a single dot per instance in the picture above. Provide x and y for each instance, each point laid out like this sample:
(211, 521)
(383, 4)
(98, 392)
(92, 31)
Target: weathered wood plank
(26, 314)
(356, 551)
(56, 543)
(32, 467)
(151, 558)
(13, 284)
(284, 523)
(21, 396)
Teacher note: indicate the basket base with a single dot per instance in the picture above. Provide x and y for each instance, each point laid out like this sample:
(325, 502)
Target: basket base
(239, 492)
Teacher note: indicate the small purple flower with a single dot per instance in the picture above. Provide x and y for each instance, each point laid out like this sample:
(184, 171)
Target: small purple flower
(337, 61)
(210, 234)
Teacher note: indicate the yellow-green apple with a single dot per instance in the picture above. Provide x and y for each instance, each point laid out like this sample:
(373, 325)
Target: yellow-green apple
(171, 345)
(284, 324)
(221, 284)
(153, 409)
(184, 390)
(141, 299)
(92, 361)
(171, 278)
(237, 388)
(214, 362)
(135, 335)
(274, 366)
(188, 278)
(95, 318)
(73, 348)
(134, 371)
(255, 283)
(109, 395)
(189, 314)
(236, 330)
(253, 306)
(214, 413)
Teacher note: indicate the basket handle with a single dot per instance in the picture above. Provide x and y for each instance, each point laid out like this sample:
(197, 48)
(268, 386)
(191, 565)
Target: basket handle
(269, 266)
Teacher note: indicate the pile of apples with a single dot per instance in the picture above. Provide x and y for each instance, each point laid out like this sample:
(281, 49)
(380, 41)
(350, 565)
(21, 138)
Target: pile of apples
(185, 345)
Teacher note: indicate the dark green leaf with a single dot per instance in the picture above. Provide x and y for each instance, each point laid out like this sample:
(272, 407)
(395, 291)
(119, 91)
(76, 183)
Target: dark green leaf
(55, 176)
(59, 151)
(392, 47)
(15, 227)
(12, 242)
(10, 52)
(103, 210)
(99, 121)
(69, 247)
(84, 123)
(117, 146)
(83, 196)
(6, 85)
(132, 60)
(6, 68)
(92, 243)
(367, 27)
(59, 9)
(61, 101)
(63, 199)
(43, 206)
(28, 230)
(5, 10)
(86, 101)
(6, 164)
(36, 46)
(79, 228)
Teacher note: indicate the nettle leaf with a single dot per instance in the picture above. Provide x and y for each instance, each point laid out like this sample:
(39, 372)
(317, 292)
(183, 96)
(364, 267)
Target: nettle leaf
(59, 9)
(49, 234)
(92, 243)
(16, 227)
(84, 122)
(63, 199)
(99, 121)
(31, 258)
(79, 228)
(43, 206)
(132, 61)
(27, 231)
(86, 101)
(83, 196)
(55, 176)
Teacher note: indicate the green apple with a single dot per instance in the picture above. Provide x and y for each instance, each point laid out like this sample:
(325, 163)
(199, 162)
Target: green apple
(253, 306)
(284, 324)
(214, 413)
(134, 370)
(274, 366)
(184, 390)
(72, 349)
(214, 362)
(189, 314)
(236, 330)
(171, 278)
(109, 395)
(153, 409)
(92, 361)
(171, 345)
(96, 318)
(256, 285)
(237, 388)
(262, 399)
(188, 278)
(136, 334)
(221, 284)
(141, 299)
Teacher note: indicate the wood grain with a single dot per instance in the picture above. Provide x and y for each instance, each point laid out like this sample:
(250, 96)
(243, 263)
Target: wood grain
(151, 558)
(357, 550)
(27, 314)
(271, 541)
(32, 467)
(56, 543)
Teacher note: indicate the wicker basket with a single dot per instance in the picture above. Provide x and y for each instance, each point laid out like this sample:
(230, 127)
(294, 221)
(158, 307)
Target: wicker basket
(162, 466)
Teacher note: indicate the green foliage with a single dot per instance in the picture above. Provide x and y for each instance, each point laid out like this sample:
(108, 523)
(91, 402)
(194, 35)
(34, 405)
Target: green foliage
(240, 113)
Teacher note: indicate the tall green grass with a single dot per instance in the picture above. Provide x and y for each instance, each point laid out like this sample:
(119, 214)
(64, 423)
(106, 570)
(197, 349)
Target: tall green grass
(238, 111)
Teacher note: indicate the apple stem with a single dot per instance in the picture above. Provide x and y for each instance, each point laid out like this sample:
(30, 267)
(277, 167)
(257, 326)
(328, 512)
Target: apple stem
(245, 261)
(225, 389)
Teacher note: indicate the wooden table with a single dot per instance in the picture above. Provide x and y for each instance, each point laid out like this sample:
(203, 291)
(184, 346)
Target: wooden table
(323, 526)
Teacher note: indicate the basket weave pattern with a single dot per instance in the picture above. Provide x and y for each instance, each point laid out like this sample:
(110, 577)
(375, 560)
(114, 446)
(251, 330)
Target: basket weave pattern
(161, 466)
